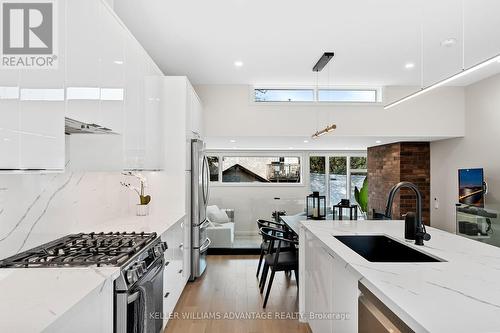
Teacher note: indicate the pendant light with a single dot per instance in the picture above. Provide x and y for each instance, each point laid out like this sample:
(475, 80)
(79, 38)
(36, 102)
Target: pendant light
(322, 62)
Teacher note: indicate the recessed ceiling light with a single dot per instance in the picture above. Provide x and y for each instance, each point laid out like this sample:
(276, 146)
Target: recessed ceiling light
(378, 141)
(409, 65)
(118, 62)
(238, 63)
(232, 141)
(306, 141)
(449, 42)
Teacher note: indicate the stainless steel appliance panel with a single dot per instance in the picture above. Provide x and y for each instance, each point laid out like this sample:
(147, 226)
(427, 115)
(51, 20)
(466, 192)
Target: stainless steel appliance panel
(199, 234)
(200, 194)
(128, 303)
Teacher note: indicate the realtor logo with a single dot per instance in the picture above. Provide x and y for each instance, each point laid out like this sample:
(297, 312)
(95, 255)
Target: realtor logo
(28, 34)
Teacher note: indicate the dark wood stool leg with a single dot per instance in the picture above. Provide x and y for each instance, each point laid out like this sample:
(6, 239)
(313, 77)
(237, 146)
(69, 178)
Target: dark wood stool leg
(260, 262)
(263, 278)
(268, 288)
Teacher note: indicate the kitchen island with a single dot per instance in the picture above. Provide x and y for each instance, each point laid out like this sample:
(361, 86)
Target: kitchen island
(460, 293)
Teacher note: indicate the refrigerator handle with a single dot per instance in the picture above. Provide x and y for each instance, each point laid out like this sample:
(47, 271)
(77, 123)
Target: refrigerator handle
(207, 181)
(204, 180)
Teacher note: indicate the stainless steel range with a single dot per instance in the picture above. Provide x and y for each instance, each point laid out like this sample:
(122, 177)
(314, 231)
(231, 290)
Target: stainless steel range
(138, 289)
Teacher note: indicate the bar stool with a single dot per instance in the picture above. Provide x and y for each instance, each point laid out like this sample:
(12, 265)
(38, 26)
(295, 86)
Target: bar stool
(278, 259)
(264, 246)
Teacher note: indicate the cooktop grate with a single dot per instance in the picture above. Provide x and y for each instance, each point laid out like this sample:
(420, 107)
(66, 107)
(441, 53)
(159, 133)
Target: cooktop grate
(83, 249)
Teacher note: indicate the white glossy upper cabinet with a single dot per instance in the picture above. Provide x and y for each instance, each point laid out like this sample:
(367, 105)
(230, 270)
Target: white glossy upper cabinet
(83, 23)
(95, 73)
(196, 113)
(143, 132)
(112, 70)
(194, 118)
(154, 119)
(32, 113)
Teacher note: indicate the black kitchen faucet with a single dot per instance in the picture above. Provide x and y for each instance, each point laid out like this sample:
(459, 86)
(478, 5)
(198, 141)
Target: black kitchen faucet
(420, 233)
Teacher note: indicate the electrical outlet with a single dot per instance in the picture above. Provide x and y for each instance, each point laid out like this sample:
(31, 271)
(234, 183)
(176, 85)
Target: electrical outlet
(436, 203)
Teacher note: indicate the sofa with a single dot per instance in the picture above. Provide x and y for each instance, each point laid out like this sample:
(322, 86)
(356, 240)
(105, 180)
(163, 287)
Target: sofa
(221, 228)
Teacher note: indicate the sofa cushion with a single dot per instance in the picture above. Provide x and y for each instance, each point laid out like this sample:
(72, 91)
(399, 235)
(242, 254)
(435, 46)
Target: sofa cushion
(216, 216)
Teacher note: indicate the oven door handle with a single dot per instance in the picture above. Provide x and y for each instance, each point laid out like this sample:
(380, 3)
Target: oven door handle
(159, 269)
(133, 297)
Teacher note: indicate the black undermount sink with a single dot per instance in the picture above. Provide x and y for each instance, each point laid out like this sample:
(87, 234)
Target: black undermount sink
(380, 248)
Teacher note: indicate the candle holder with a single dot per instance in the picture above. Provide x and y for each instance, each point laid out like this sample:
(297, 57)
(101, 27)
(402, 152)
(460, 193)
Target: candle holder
(316, 206)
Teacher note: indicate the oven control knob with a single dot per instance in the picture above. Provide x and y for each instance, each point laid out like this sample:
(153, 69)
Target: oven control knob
(140, 270)
(132, 276)
(164, 246)
(143, 265)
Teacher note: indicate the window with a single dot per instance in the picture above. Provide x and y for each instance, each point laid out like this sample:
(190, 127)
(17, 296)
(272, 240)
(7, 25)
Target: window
(284, 95)
(344, 95)
(316, 95)
(213, 166)
(252, 169)
(336, 176)
(337, 179)
(358, 174)
(317, 174)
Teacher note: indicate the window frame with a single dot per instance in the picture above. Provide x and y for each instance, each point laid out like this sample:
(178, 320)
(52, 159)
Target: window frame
(370, 89)
(378, 89)
(312, 90)
(245, 153)
(349, 171)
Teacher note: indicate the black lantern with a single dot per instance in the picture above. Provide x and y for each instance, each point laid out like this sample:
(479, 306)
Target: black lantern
(316, 206)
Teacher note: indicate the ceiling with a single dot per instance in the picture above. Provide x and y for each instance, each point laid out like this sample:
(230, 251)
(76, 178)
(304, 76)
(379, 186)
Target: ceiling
(279, 41)
(327, 142)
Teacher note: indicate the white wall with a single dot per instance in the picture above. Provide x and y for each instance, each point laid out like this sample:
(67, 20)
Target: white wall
(257, 202)
(228, 111)
(479, 148)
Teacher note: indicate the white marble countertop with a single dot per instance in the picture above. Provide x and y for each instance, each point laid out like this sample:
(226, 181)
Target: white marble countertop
(461, 294)
(34, 299)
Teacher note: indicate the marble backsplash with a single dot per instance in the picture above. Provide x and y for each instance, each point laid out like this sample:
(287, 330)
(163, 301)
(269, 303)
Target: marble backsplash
(37, 208)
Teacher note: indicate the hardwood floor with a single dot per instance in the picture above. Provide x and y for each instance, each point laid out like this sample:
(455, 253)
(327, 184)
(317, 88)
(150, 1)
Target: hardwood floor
(229, 287)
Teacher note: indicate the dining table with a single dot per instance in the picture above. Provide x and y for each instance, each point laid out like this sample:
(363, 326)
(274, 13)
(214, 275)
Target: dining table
(292, 222)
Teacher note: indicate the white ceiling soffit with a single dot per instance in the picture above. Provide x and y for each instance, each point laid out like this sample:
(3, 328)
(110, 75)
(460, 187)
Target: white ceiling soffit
(279, 41)
(306, 143)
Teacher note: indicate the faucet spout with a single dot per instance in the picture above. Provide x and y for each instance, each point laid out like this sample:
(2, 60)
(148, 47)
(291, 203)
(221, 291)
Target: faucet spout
(420, 234)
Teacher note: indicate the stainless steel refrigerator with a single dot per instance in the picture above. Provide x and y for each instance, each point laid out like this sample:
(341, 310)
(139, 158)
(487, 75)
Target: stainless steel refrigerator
(200, 192)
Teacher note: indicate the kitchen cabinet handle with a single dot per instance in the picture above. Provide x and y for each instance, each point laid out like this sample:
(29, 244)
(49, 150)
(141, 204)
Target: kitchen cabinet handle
(180, 271)
(166, 263)
(181, 246)
(167, 294)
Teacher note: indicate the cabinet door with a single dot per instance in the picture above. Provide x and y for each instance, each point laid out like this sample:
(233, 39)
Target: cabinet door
(153, 117)
(194, 112)
(83, 60)
(41, 112)
(134, 122)
(321, 285)
(112, 73)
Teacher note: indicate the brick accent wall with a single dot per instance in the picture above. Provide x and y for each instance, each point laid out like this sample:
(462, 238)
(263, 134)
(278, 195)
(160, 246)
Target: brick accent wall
(392, 163)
